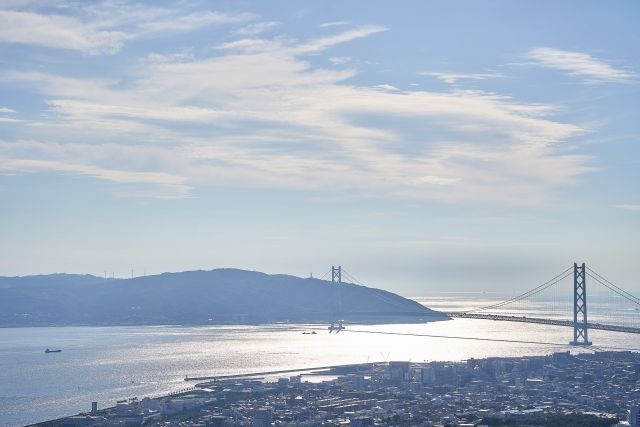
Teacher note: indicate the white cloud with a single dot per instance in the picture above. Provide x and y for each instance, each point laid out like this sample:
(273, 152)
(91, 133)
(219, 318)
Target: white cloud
(256, 114)
(109, 175)
(453, 77)
(163, 185)
(195, 21)
(333, 24)
(103, 28)
(323, 43)
(629, 207)
(430, 179)
(172, 57)
(387, 87)
(312, 46)
(578, 64)
(253, 29)
(7, 110)
(10, 120)
(58, 32)
(339, 61)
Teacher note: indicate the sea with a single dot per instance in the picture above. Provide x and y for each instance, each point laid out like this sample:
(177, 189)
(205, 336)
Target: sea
(106, 364)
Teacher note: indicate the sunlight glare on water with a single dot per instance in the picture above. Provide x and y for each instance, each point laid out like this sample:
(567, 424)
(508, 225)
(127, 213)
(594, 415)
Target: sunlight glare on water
(106, 364)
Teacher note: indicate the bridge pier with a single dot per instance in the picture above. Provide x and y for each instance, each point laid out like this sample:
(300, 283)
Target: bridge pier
(580, 325)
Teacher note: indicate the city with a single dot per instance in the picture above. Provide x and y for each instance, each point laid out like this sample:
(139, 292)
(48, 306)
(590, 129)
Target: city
(592, 389)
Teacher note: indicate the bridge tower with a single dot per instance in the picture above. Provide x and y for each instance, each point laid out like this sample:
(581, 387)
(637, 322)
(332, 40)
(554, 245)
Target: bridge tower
(580, 325)
(336, 316)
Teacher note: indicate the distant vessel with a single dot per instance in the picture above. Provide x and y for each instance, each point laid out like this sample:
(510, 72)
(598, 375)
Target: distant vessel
(53, 351)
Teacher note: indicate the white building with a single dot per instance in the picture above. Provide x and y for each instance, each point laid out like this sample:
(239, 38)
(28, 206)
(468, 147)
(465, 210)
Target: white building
(634, 416)
(150, 404)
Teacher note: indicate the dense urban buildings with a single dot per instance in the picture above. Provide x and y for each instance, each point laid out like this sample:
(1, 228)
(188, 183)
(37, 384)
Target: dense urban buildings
(603, 388)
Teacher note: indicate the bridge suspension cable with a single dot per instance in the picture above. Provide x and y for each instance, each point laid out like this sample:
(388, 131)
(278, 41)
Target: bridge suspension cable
(374, 294)
(568, 272)
(380, 297)
(325, 275)
(617, 290)
(457, 337)
(592, 348)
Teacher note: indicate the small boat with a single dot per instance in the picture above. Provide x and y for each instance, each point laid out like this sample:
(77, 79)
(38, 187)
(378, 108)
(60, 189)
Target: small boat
(53, 351)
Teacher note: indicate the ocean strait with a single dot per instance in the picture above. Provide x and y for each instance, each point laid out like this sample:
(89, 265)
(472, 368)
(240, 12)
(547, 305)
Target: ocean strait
(106, 364)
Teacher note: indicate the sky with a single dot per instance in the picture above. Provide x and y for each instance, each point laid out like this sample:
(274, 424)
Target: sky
(424, 146)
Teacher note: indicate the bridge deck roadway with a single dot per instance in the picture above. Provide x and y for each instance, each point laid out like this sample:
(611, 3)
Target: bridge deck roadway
(442, 316)
(568, 323)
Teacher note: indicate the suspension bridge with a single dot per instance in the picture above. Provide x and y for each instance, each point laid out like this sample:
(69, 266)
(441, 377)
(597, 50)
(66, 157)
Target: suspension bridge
(564, 300)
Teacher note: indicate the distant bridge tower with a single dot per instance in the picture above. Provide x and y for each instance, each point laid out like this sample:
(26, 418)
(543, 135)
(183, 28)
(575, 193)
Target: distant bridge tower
(580, 325)
(336, 316)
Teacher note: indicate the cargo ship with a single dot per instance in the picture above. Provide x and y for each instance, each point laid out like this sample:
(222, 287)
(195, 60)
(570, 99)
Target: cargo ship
(53, 351)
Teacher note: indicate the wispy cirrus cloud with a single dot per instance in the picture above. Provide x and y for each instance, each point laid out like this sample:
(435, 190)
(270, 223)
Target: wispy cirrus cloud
(323, 43)
(430, 179)
(255, 113)
(313, 45)
(118, 176)
(335, 23)
(578, 64)
(386, 87)
(9, 119)
(102, 30)
(254, 29)
(629, 207)
(339, 60)
(69, 157)
(453, 77)
(58, 32)
(195, 21)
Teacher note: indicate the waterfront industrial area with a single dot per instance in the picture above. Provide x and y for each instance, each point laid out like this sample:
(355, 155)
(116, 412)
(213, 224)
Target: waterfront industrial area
(599, 389)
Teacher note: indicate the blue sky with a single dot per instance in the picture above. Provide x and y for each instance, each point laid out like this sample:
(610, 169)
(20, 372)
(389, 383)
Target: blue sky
(425, 146)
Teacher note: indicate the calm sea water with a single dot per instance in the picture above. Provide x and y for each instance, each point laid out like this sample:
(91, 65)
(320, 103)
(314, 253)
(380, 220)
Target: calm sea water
(106, 364)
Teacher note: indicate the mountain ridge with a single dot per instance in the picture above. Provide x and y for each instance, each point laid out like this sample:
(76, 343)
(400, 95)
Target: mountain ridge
(195, 297)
